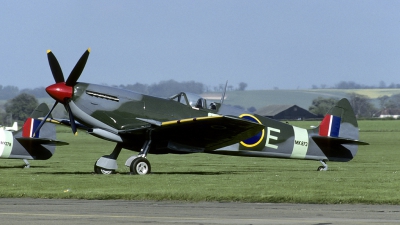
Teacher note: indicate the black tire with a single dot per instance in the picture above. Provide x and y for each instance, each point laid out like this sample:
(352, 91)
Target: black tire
(140, 166)
(101, 170)
(321, 168)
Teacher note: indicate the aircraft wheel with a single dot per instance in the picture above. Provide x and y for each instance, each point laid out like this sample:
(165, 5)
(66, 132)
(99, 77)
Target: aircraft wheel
(321, 168)
(140, 166)
(100, 170)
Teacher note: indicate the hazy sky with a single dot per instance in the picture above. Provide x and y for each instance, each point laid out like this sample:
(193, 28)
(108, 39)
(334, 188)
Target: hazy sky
(267, 44)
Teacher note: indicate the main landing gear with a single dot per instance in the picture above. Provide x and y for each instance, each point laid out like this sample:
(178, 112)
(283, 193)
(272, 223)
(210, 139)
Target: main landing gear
(324, 166)
(137, 164)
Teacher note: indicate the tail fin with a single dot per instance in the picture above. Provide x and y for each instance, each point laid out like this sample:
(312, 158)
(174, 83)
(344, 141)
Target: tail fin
(339, 133)
(14, 127)
(42, 144)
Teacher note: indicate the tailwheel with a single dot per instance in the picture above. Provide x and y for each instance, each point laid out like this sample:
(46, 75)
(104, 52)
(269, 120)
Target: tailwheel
(324, 166)
(100, 170)
(140, 166)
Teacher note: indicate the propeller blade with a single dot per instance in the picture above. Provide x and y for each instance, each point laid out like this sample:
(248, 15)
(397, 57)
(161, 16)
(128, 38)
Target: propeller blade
(55, 67)
(71, 119)
(77, 71)
(45, 118)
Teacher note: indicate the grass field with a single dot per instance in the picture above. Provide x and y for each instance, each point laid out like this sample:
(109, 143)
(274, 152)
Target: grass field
(373, 177)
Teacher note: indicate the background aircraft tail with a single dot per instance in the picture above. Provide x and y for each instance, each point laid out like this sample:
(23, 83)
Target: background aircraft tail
(40, 146)
(339, 133)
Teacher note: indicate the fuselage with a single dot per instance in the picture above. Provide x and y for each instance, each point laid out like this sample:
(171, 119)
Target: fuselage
(114, 109)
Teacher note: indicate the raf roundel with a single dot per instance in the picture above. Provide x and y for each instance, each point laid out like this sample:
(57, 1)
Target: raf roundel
(256, 139)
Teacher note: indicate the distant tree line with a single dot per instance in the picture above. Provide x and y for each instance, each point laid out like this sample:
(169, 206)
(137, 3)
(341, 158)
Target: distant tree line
(361, 104)
(390, 102)
(9, 92)
(18, 109)
(171, 87)
(162, 89)
(354, 85)
(165, 88)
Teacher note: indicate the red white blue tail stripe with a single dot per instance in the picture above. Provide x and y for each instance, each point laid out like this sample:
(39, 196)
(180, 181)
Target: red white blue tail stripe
(330, 126)
(29, 128)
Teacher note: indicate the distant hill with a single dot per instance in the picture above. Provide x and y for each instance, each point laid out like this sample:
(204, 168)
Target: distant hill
(302, 98)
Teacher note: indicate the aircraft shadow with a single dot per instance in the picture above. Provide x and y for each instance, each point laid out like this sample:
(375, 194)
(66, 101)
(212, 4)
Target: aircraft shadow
(155, 173)
(196, 173)
(67, 173)
(21, 167)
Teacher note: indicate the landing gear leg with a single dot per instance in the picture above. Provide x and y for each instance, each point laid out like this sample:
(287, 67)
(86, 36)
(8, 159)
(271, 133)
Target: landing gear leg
(108, 164)
(324, 166)
(27, 165)
(139, 165)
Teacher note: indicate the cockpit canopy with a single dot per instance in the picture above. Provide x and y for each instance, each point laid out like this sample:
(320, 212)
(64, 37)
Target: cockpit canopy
(193, 100)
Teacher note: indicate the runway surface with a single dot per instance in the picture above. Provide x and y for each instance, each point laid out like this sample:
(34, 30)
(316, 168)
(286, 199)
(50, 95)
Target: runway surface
(62, 212)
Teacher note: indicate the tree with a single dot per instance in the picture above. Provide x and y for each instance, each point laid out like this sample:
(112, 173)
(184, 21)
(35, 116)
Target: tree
(138, 87)
(8, 92)
(242, 86)
(382, 84)
(362, 105)
(171, 87)
(383, 101)
(251, 109)
(21, 106)
(39, 92)
(320, 106)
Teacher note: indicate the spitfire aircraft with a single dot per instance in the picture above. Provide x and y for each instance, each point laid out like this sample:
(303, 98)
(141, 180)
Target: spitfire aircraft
(187, 123)
(24, 145)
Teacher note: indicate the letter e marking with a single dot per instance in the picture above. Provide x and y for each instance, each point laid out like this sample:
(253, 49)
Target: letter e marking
(269, 136)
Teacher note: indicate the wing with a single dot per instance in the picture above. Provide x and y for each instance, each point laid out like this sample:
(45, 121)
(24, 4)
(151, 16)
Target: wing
(192, 134)
(202, 133)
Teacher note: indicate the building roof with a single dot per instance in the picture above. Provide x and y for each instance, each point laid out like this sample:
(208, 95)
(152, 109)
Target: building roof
(272, 110)
(388, 112)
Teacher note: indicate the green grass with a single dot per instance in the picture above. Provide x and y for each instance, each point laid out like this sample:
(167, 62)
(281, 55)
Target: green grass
(373, 177)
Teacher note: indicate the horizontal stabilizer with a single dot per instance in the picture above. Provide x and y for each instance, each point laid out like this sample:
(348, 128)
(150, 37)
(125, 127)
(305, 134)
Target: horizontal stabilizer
(338, 149)
(338, 140)
(38, 141)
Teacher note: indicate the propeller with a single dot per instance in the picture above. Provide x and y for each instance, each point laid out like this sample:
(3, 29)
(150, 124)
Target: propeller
(62, 91)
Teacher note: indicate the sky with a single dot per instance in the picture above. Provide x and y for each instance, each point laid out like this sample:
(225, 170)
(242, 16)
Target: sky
(285, 44)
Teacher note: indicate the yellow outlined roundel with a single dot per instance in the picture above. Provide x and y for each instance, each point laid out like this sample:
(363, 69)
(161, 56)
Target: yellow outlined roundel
(256, 139)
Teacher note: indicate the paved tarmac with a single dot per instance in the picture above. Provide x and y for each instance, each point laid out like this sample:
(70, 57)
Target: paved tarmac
(63, 212)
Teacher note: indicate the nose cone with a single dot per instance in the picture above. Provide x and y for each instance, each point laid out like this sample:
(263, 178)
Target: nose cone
(59, 91)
